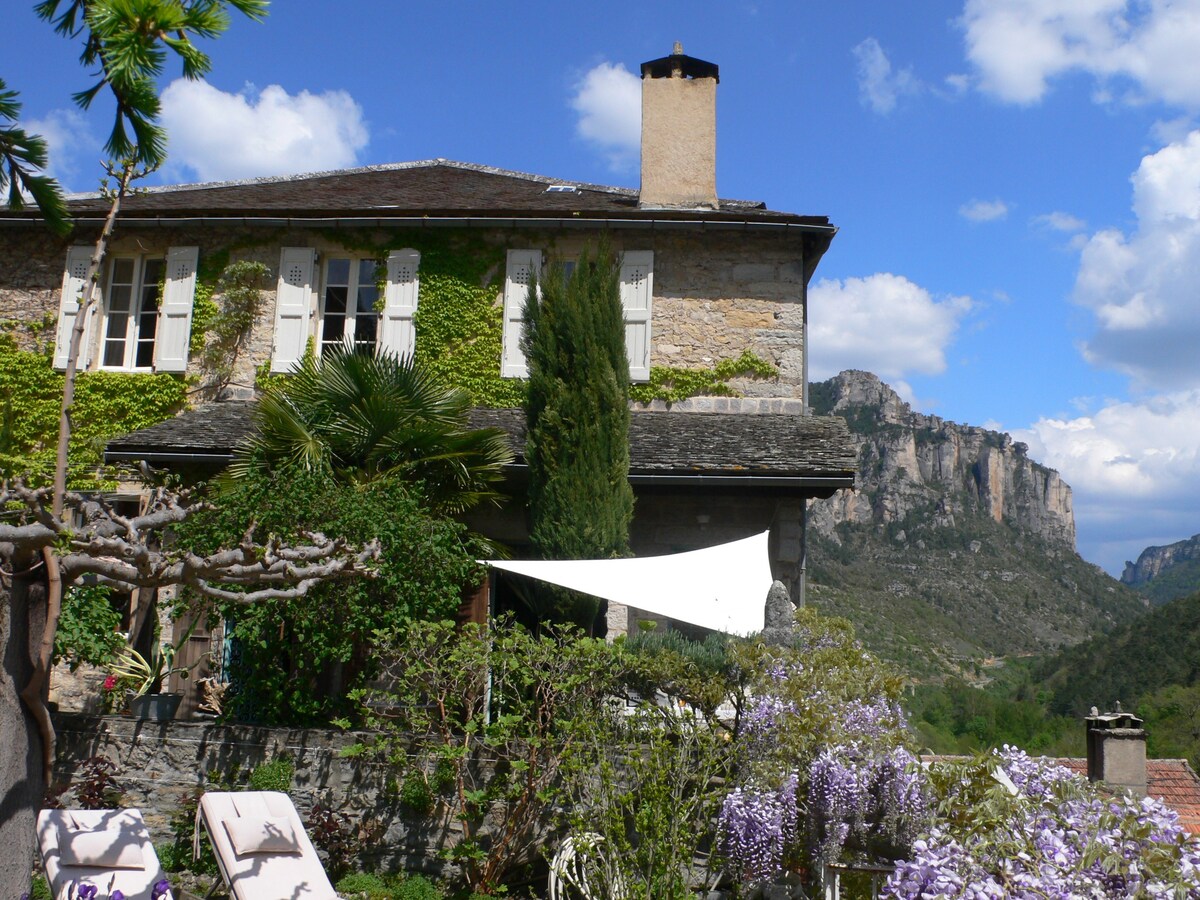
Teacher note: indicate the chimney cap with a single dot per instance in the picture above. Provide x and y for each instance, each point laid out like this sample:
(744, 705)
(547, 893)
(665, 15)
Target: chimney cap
(687, 66)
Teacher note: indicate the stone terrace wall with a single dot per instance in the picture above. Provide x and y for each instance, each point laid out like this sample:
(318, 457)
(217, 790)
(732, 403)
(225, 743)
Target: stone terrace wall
(160, 764)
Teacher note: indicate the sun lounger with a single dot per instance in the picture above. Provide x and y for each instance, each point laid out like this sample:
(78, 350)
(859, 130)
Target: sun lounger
(107, 848)
(262, 849)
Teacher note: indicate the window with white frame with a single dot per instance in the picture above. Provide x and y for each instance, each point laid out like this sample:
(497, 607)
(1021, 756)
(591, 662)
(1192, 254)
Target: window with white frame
(349, 303)
(342, 293)
(131, 312)
(637, 294)
(143, 311)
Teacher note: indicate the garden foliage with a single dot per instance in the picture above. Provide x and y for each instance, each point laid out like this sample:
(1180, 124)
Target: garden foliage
(299, 657)
(487, 719)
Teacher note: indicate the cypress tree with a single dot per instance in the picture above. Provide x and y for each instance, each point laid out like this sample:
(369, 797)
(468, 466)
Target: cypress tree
(580, 501)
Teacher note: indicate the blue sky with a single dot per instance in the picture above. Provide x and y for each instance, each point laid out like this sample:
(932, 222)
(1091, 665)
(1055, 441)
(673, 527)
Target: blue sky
(1017, 182)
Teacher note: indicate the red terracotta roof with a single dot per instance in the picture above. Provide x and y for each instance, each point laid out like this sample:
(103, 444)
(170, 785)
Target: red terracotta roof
(1172, 781)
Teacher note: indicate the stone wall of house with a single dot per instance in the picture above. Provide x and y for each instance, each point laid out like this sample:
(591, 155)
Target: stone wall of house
(161, 766)
(716, 294)
(31, 272)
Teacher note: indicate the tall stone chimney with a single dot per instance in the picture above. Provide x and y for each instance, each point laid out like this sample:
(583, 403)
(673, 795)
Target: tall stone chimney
(679, 133)
(1116, 750)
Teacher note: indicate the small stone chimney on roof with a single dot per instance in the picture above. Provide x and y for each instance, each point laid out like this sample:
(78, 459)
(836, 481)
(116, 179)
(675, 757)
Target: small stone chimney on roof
(1116, 750)
(679, 133)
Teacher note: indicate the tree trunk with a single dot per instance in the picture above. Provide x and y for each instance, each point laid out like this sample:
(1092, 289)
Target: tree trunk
(22, 790)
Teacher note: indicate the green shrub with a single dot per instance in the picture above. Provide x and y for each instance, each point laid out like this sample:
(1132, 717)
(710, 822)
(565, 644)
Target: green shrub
(364, 883)
(417, 887)
(275, 775)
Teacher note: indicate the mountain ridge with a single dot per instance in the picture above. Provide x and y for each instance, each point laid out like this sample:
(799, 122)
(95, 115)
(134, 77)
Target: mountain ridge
(955, 549)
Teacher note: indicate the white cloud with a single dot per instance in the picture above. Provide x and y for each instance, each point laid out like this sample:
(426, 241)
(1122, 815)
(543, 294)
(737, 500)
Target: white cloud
(883, 323)
(74, 151)
(1134, 468)
(984, 210)
(1142, 287)
(1060, 221)
(216, 136)
(608, 101)
(879, 86)
(1018, 46)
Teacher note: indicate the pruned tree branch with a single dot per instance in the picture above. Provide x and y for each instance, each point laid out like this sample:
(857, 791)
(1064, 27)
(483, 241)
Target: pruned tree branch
(135, 551)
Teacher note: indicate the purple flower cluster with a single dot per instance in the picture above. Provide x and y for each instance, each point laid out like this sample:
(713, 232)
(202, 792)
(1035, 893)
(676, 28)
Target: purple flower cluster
(867, 800)
(85, 890)
(762, 722)
(756, 827)
(871, 720)
(1057, 837)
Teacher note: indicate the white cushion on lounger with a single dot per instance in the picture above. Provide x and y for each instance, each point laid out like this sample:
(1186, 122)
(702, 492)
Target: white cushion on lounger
(262, 834)
(104, 848)
(296, 875)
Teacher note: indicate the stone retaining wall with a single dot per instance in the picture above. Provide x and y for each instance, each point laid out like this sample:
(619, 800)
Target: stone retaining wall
(161, 765)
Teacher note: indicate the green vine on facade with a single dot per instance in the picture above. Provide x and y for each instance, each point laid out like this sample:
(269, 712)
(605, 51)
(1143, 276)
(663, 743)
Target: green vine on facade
(225, 333)
(107, 404)
(672, 384)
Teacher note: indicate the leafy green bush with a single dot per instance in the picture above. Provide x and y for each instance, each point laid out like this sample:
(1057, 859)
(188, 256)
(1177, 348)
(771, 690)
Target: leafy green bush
(299, 657)
(371, 886)
(87, 627)
(275, 775)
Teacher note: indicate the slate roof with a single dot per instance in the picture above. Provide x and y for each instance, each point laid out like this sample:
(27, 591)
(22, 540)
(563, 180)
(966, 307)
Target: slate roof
(427, 189)
(818, 449)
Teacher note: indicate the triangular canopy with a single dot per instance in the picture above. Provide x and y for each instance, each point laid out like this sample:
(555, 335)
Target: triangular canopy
(723, 588)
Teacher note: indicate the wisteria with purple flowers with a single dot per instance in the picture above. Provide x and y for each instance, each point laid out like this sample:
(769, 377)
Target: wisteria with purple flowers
(823, 691)
(757, 827)
(1024, 828)
(865, 804)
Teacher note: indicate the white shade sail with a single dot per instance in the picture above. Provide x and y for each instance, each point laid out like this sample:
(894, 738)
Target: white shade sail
(723, 588)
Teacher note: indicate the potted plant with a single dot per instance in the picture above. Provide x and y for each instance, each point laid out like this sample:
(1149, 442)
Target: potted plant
(145, 677)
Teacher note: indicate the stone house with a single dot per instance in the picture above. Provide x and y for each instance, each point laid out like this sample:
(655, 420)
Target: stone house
(433, 258)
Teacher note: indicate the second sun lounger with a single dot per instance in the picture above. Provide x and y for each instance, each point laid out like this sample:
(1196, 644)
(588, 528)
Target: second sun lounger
(262, 849)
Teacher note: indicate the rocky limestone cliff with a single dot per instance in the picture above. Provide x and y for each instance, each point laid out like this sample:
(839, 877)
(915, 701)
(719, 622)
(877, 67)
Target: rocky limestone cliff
(1155, 561)
(1163, 574)
(910, 462)
(956, 550)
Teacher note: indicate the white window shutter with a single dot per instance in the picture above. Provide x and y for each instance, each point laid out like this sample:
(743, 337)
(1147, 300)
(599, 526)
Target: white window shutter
(637, 293)
(74, 281)
(293, 307)
(175, 313)
(522, 266)
(400, 302)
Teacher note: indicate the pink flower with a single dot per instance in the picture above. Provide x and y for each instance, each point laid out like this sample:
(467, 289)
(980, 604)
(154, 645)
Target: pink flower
(110, 682)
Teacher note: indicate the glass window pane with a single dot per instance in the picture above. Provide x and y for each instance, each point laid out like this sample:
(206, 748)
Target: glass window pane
(119, 297)
(115, 327)
(366, 299)
(337, 271)
(335, 300)
(365, 328)
(333, 329)
(114, 354)
(122, 271)
(145, 354)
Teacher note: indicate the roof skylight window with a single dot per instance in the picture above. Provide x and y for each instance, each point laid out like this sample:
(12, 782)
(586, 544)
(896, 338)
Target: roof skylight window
(562, 189)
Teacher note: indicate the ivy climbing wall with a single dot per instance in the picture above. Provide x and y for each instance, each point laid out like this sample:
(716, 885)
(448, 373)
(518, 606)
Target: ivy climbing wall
(727, 319)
